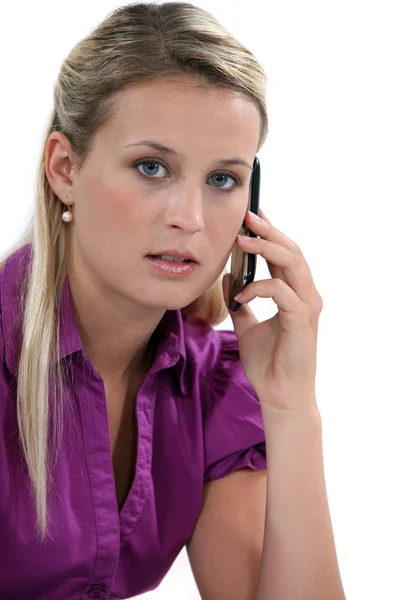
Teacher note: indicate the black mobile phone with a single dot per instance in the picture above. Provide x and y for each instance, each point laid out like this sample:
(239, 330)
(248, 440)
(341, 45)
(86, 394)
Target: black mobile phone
(243, 264)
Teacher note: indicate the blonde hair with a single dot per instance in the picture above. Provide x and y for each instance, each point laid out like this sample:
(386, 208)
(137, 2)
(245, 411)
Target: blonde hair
(135, 44)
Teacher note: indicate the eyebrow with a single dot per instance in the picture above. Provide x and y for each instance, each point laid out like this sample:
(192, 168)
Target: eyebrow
(166, 150)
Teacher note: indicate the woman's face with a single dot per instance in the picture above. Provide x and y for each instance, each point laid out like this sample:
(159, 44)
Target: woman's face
(185, 199)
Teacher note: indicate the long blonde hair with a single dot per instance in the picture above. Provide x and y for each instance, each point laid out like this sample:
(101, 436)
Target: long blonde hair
(135, 44)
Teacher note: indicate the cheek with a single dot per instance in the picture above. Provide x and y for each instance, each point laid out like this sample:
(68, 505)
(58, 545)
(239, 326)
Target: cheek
(117, 202)
(234, 222)
(224, 234)
(122, 210)
(223, 231)
(111, 203)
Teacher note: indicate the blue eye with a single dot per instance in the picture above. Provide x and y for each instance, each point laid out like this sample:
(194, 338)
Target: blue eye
(153, 167)
(151, 171)
(226, 176)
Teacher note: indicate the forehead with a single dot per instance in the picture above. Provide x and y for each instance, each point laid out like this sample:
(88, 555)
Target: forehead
(186, 110)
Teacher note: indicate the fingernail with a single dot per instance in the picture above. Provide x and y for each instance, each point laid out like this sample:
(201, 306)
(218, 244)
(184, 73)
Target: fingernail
(254, 215)
(245, 238)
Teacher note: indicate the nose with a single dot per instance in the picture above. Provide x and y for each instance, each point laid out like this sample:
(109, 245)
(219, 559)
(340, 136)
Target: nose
(185, 209)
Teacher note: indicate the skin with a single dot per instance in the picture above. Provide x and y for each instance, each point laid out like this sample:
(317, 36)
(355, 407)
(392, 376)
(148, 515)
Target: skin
(120, 217)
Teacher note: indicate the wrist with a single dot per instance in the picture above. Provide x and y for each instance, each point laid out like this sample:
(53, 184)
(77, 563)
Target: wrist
(288, 419)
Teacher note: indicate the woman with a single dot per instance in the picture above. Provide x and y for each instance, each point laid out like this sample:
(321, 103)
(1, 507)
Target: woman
(131, 426)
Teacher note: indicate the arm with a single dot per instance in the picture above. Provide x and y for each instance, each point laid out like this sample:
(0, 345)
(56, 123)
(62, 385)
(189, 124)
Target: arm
(299, 559)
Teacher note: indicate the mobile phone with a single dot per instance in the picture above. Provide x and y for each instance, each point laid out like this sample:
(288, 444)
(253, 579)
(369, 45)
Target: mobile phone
(243, 264)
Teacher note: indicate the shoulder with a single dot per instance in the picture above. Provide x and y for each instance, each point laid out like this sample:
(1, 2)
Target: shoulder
(211, 349)
(12, 288)
(4, 371)
(233, 429)
(217, 364)
(1, 315)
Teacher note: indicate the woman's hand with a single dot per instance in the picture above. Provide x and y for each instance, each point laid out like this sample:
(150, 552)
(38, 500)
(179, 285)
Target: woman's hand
(278, 355)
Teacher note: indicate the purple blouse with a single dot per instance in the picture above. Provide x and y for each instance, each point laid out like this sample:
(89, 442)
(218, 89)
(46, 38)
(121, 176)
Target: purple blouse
(199, 419)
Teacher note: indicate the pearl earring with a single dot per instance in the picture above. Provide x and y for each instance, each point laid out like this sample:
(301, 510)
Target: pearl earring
(67, 215)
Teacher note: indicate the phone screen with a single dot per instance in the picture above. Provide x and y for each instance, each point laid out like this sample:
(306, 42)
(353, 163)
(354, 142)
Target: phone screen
(243, 264)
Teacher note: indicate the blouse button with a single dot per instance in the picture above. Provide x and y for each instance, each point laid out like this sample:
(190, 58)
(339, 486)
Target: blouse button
(96, 591)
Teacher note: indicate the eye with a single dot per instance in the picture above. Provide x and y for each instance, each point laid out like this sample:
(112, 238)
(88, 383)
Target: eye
(224, 176)
(152, 167)
(151, 171)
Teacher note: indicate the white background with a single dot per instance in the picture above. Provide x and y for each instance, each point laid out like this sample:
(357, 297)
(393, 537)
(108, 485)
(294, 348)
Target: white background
(330, 182)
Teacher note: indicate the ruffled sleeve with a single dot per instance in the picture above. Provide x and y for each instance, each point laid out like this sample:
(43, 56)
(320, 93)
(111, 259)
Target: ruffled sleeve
(233, 428)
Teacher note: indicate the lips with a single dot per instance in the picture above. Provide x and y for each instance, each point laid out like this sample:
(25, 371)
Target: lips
(172, 268)
(176, 254)
(186, 260)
